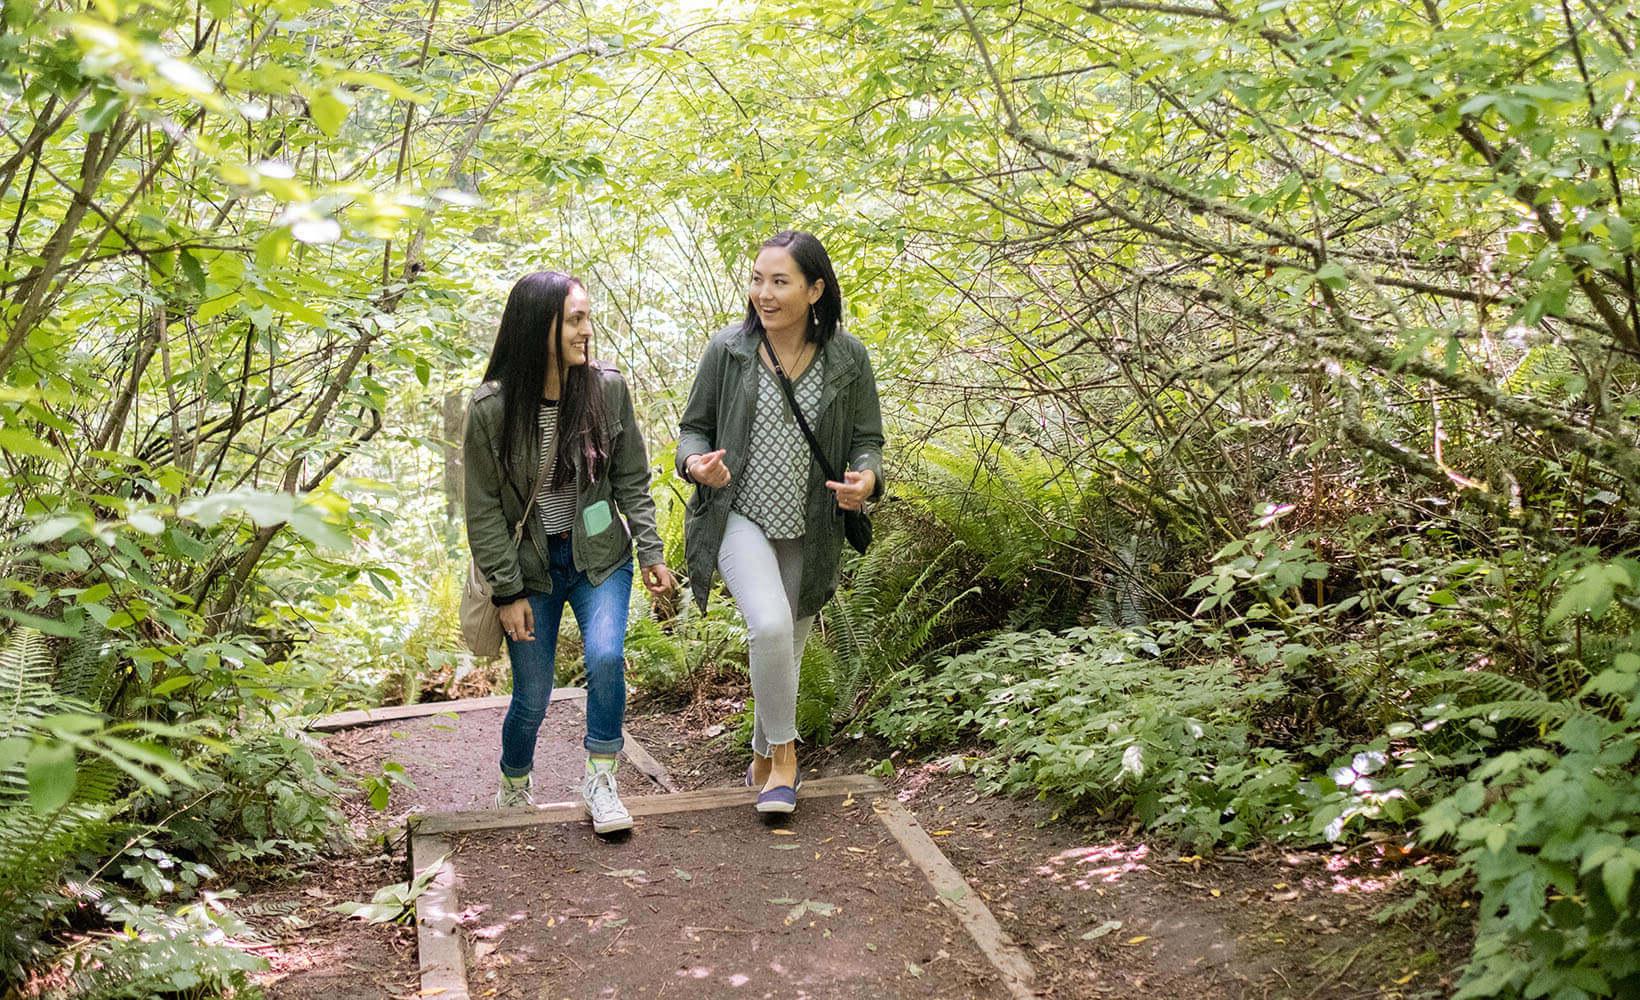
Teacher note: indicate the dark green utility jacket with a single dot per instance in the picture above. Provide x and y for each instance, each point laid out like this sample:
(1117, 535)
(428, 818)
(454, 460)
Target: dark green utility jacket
(719, 414)
(602, 542)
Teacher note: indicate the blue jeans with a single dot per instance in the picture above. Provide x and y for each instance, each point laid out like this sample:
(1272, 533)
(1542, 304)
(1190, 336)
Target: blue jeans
(601, 613)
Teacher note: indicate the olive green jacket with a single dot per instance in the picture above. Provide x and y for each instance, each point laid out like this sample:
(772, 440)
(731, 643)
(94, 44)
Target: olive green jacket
(602, 542)
(719, 414)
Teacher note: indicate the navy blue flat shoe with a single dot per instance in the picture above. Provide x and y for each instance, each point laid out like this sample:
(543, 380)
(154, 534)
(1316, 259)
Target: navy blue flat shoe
(779, 799)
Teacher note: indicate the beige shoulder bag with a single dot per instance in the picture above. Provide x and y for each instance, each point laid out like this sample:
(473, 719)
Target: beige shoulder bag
(480, 618)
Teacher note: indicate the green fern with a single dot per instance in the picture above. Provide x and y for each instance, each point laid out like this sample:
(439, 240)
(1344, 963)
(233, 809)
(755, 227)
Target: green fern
(37, 849)
(1543, 371)
(1017, 509)
(1504, 699)
(882, 624)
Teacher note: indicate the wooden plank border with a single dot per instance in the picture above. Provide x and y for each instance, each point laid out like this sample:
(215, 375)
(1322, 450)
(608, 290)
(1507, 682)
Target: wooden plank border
(476, 820)
(390, 713)
(438, 933)
(958, 896)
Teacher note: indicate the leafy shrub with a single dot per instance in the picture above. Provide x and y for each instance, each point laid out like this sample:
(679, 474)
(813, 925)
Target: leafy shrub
(267, 797)
(1098, 717)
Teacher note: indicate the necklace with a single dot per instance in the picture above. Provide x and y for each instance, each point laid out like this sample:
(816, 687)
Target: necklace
(780, 372)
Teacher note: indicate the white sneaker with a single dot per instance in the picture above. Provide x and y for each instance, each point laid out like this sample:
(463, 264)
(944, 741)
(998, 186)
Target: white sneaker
(604, 803)
(515, 793)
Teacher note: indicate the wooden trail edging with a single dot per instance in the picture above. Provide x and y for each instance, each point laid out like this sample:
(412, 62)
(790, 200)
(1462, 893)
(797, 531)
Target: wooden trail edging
(391, 713)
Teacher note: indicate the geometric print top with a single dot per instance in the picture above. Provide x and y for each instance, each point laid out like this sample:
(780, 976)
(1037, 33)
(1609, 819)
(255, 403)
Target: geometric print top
(773, 490)
(556, 509)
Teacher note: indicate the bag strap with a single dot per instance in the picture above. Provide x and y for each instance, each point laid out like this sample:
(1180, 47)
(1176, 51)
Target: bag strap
(797, 411)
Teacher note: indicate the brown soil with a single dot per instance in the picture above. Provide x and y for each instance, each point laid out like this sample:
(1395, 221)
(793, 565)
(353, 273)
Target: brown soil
(1103, 913)
(452, 759)
(711, 904)
(315, 952)
(1100, 912)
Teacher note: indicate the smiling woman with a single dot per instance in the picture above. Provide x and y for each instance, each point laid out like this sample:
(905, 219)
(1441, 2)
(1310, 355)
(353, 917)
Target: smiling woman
(765, 515)
(552, 454)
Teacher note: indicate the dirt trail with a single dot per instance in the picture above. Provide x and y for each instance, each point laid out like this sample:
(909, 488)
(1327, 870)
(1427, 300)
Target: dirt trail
(1100, 914)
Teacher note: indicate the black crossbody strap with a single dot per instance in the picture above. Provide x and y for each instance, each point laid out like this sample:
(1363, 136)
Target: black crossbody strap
(797, 411)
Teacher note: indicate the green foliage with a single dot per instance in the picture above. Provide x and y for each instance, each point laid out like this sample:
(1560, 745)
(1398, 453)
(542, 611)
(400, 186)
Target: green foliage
(159, 953)
(266, 798)
(1126, 274)
(1551, 835)
(1111, 718)
(393, 903)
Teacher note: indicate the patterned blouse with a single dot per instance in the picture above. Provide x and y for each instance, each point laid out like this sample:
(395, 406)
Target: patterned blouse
(773, 490)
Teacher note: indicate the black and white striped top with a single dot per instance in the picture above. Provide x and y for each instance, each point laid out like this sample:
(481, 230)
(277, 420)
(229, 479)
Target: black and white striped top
(556, 509)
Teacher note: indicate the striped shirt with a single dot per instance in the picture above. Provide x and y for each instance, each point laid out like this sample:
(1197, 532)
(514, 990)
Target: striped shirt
(555, 508)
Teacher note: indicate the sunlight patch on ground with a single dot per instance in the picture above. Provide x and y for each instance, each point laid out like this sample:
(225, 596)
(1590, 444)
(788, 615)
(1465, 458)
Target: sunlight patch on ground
(1101, 863)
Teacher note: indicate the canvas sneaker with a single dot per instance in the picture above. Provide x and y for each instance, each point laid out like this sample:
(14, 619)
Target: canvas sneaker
(515, 793)
(604, 802)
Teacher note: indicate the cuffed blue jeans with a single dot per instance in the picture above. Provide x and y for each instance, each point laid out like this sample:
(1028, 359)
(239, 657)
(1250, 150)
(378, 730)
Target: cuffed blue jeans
(601, 614)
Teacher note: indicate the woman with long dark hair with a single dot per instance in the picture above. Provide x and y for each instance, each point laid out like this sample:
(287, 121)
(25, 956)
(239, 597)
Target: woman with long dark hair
(552, 441)
(764, 515)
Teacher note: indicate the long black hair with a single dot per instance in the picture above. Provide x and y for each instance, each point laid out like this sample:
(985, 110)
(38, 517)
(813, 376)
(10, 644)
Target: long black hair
(533, 319)
(815, 263)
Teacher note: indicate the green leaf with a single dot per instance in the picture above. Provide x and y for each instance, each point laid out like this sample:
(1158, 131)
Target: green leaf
(21, 442)
(1618, 877)
(51, 775)
(1591, 592)
(329, 112)
(50, 626)
(101, 114)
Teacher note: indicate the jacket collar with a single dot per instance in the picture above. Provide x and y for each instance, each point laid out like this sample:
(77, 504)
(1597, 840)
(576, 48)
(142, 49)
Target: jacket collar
(839, 367)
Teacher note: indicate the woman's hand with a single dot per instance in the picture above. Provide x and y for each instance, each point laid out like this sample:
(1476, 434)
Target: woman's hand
(856, 488)
(658, 579)
(708, 469)
(518, 620)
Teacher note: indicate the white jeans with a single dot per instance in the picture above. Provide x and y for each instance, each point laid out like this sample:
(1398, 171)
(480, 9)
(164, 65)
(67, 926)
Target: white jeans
(762, 576)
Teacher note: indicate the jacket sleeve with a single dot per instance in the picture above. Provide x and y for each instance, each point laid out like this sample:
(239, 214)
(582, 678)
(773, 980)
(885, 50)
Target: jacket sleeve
(865, 448)
(489, 536)
(629, 479)
(697, 431)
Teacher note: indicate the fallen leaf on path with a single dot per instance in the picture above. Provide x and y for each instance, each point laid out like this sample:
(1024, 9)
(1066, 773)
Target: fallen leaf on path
(815, 907)
(913, 968)
(1102, 930)
(784, 833)
(626, 873)
(683, 875)
(1137, 939)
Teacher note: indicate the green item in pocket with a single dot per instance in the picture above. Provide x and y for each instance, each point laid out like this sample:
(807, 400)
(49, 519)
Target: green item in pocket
(596, 517)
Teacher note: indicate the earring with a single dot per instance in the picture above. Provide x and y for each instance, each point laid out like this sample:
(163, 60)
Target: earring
(814, 317)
